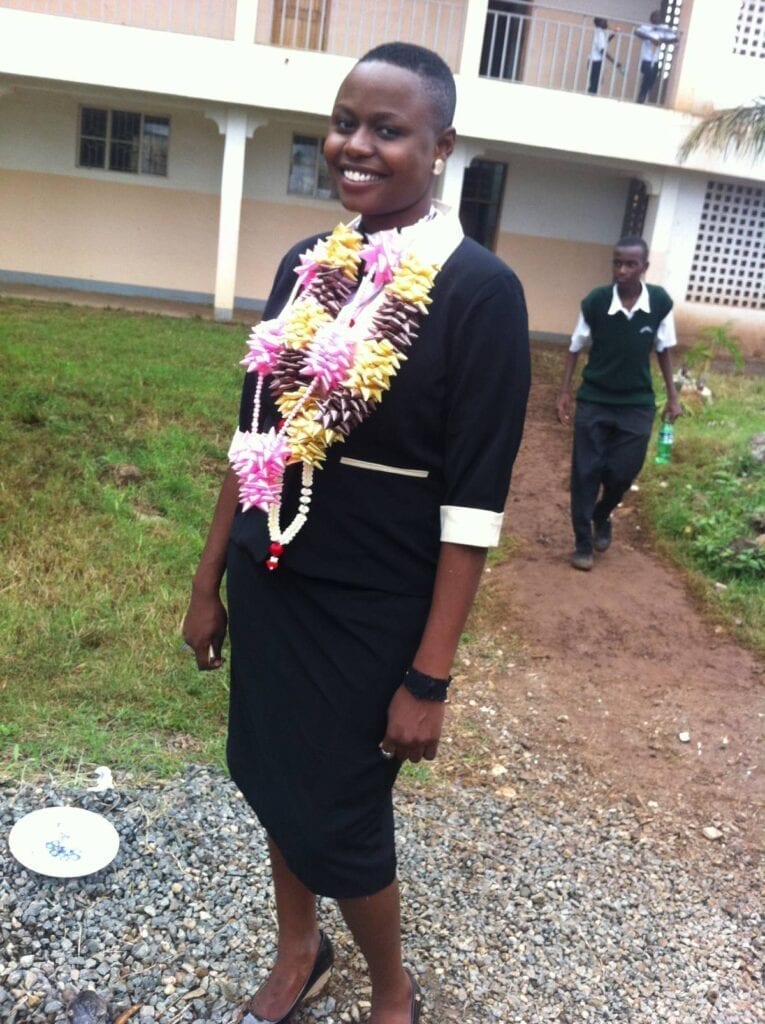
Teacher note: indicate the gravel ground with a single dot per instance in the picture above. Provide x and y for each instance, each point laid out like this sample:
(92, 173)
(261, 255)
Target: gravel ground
(561, 911)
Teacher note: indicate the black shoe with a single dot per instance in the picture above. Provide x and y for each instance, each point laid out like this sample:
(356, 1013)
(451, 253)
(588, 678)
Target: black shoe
(416, 999)
(601, 535)
(582, 560)
(315, 982)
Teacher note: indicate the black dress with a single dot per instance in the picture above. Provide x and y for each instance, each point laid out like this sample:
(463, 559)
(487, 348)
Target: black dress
(319, 646)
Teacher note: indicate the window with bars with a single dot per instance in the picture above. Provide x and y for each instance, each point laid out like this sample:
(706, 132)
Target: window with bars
(635, 209)
(122, 140)
(483, 188)
(750, 29)
(309, 174)
(728, 267)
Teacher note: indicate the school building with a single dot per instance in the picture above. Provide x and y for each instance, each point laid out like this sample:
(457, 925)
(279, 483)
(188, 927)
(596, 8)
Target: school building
(172, 148)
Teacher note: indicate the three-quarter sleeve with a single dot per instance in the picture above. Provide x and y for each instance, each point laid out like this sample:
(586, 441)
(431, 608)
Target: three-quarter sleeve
(489, 378)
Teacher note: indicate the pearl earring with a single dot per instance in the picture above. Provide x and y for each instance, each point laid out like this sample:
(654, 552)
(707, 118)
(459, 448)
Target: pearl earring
(438, 166)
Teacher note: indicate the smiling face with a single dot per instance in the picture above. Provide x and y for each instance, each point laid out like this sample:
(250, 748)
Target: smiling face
(381, 145)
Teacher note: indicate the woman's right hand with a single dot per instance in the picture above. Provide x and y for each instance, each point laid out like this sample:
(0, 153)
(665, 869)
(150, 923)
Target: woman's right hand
(204, 628)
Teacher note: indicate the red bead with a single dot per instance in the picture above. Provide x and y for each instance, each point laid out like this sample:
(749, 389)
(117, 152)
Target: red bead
(276, 549)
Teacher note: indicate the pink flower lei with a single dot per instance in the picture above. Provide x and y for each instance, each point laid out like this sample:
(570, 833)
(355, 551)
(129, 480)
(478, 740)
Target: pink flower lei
(327, 371)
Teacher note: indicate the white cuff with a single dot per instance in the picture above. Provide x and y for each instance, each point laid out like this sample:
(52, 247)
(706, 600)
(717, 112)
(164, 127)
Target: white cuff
(239, 442)
(474, 526)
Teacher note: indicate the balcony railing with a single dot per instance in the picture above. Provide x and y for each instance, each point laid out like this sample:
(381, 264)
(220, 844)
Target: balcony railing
(528, 42)
(351, 27)
(343, 27)
(546, 46)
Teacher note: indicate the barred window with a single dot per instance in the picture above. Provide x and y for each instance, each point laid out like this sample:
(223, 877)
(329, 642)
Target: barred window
(750, 29)
(728, 267)
(121, 140)
(635, 209)
(309, 174)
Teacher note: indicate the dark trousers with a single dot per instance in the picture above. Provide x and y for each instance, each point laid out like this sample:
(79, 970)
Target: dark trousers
(596, 66)
(610, 443)
(648, 72)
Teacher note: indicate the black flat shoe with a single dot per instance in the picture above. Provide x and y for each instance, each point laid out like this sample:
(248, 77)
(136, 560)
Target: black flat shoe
(315, 982)
(416, 999)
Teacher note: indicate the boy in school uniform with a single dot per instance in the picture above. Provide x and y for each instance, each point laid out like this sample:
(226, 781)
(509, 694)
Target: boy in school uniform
(615, 404)
(653, 36)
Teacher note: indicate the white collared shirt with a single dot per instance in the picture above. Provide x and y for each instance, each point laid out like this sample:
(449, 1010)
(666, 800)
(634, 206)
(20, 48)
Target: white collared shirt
(666, 336)
(599, 44)
(651, 47)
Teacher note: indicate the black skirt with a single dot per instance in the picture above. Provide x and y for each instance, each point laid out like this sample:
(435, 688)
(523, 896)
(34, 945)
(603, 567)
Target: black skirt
(314, 665)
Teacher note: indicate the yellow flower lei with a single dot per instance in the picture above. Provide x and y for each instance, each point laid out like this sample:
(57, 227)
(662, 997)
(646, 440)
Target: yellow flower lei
(376, 361)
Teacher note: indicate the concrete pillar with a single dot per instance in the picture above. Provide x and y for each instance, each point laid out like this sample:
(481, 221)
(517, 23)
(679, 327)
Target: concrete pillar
(472, 40)
(708, 27)
(671, 230)
(236, 125)
(246, 21)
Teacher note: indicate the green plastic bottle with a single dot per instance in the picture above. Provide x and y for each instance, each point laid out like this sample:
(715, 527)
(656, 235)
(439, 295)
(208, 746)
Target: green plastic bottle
(666, 439)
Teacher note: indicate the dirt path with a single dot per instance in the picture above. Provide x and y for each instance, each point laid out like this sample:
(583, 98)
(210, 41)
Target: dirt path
(616, 663)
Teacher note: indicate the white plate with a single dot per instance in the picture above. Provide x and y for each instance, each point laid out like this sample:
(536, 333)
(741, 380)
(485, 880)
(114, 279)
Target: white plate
(64, 842)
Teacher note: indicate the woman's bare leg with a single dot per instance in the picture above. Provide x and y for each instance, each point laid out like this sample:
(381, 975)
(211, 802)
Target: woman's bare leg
(375, 922)
(297, 944)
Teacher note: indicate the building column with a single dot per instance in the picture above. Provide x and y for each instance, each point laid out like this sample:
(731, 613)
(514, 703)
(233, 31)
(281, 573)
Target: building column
(671, 230)
(696, 78)
(472, 37)
(236, 125)
(246, 21)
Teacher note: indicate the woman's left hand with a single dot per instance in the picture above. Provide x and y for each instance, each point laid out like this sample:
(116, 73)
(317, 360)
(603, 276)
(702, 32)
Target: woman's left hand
(414, 727)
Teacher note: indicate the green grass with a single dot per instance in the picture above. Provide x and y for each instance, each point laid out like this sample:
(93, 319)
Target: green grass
(96, 562)
(96, 568)
(707, 508)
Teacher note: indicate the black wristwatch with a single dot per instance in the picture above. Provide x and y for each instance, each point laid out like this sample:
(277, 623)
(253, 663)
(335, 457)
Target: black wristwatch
(426, 687)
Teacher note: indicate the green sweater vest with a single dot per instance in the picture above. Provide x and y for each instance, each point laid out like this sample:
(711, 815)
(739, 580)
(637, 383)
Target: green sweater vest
(618, 371)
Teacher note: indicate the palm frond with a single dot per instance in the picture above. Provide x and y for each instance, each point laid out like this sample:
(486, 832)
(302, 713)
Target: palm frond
(737, 131)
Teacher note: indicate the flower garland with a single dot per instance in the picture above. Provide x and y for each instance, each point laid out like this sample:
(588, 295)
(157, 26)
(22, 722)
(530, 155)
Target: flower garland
(331, 355)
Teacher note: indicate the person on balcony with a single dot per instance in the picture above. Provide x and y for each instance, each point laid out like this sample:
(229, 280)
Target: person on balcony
(615, 404)
(351, 567)
(600, 41)
(654, 36)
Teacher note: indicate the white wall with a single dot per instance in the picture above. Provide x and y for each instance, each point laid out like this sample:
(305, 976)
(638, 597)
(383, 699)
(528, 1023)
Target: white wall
(268, 159)
(39, 132)
(711, 75)
(553, 199)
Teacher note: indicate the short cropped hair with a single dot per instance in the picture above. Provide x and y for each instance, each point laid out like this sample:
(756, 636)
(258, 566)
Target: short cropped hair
(633, 242)
(435, 73)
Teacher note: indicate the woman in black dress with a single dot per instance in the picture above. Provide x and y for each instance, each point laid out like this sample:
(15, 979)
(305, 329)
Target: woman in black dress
(379, 421)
